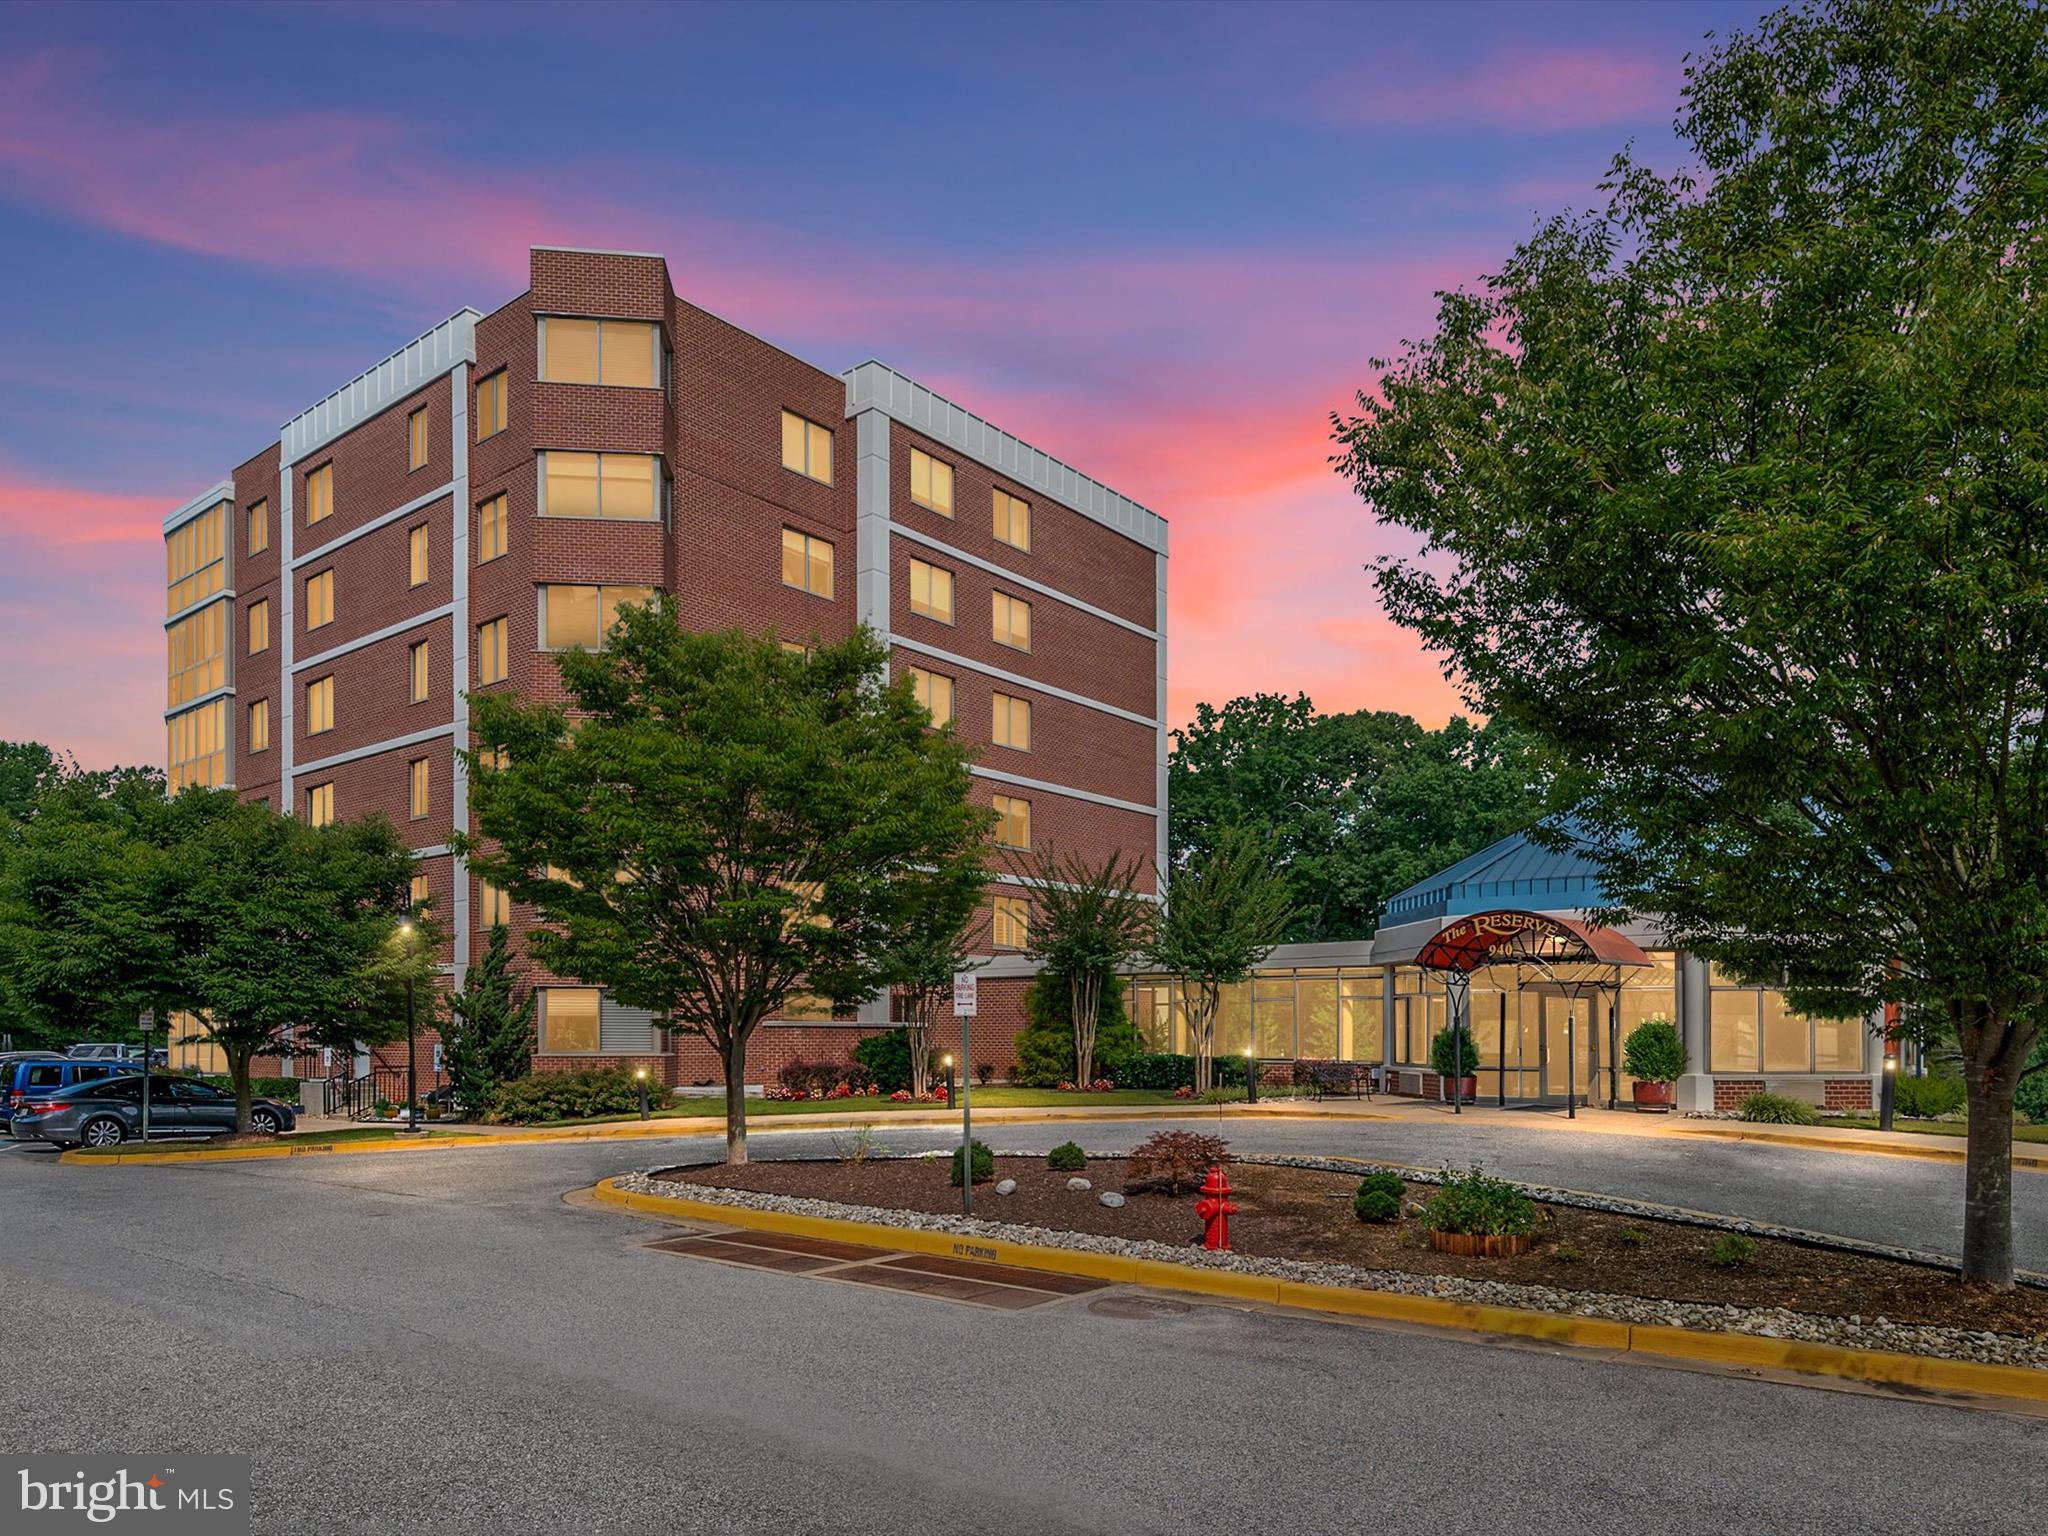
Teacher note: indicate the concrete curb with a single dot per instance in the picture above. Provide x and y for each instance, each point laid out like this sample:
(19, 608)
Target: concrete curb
(1741, 1350)
(2032, 1161)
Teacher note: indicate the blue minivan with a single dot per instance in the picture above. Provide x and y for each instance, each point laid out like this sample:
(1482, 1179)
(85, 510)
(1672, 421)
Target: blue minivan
(45, 1075)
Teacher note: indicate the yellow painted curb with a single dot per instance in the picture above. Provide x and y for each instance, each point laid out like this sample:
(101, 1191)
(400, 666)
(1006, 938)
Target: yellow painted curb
(2036, 1162)
(1749, 1351)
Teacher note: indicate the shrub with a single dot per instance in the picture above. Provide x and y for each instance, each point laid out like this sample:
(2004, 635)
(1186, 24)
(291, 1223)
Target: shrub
(1629, 1237)
(1379, 1197)
(984, 1164)
(1929, 1098)
(1067, 1157)
(885, 1058)
(1160, 1071)
(984, 1072)
(1733, 1250)
(1654, 1053)
(565, 1096)
(1045, 1047)
(1474, 1204)
(1776, 1109)
(1174, 1162)
(1567, 1253)
(285, 1088)
(1453, 1053)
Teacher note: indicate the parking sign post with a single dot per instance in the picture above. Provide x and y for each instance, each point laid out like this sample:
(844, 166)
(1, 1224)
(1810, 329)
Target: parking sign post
(146, 1022)
(963, 1010)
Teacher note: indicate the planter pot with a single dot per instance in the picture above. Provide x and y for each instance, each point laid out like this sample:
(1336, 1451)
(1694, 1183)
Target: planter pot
(1466, 1088)
(1653, 1098)
(1475, 1245)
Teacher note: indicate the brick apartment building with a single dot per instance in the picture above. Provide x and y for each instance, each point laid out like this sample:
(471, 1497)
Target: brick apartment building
(485, 496)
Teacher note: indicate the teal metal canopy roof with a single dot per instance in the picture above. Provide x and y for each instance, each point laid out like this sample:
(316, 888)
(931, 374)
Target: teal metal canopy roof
(1514, 872)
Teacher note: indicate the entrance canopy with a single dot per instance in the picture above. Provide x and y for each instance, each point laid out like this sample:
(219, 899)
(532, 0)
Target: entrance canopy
(1556, 948)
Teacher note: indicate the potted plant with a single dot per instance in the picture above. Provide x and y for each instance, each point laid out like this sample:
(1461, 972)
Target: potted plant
(1454, 1058)
(1654, 1056)
(386, 1110)
(1477, 1216)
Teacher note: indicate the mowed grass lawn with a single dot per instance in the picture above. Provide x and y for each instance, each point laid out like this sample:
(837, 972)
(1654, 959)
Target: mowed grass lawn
(1933, 1127)
(712, 1106)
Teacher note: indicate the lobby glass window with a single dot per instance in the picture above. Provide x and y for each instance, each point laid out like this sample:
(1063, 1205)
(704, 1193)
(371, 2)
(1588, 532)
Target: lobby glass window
(1012, 723)
(1273, 1014)
(196, 559)
(319, 494)
(320, 600)
(1011, 621)
(197, 746)
(493, 905)
(1753, 1029)
(1013, 821)
(418, 555)
(319, 706)
(419, 667)
(934, 691)
(583, 615)
(931, 482)
(259, 626)
(320, 805)
(416, 439)
(806, 563)
(574, 351)
(490, 405)
(1361, 1017)
(1013, 521)
(259, 726)
(1233, 1025)
(806, 447)
(490, 652)
(419, 787)
(490, 529)
(569, 1020)
(1317, 1025)
(1151, 1005)
(931, 591)
(196, 653)
(1011, 922)
(619, 486)
(259, 527)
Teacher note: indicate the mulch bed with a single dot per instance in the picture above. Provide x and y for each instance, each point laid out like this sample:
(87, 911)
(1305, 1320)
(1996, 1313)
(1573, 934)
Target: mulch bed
(1299, 1213)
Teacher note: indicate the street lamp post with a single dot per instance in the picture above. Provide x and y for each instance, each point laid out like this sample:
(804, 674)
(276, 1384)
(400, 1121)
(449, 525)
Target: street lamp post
(1887, 1089)
(966, 1145)
(640, 1074)
(415, 1123)
(1251, 1076)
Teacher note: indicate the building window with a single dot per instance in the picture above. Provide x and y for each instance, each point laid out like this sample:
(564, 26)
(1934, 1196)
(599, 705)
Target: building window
(196, 650)
(418, 893)
(1753, 1029)
(806, 563)
(196, 559)
(319, 494)
(319, 805)
(931, 482)
(1012, 621)
(1013, 821)
(1012, 727)
(259, 626)
(418, 541)
(490, 529)
(569, 1021)
(490, 652)
(493, 906)
(259, 726)
(806, 447)
(1012, 922)
(319, 705)
(320, 600)
(420, 787)
(931, 591)
(419, 667)
(600, 352)
(620, 486)
(577, 615)
(490, 405)
(259, 528)
(1013, 521)
(197, 743)
(416, 440)
(934, 691)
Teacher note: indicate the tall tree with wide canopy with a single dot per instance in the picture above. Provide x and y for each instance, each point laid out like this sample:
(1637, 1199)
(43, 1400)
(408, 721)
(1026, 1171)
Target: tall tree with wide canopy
(714, 826)
(1733, 491)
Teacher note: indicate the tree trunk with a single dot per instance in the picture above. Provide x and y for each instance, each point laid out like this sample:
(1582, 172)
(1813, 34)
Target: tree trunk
(1202, 1025)
(238, 1075)
(918, 1033)
(733, 1058)
(1993, 1058)
(1084, 996)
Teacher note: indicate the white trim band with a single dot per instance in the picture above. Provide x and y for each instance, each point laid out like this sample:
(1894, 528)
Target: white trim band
(1062, 789)
(1022, 581)
(1026, 682)
(374, 749)
(382, 520)
(363, 641)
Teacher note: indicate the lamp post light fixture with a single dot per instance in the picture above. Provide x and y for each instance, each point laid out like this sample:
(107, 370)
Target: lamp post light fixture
(640, 1075)
(966, 1142)
(1251, 1077)
(1887, 1089)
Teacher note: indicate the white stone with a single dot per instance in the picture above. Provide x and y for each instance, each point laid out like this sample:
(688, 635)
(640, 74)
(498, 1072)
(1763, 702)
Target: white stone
(1112, 1199)
(1078, 1184)
(1006, 1186)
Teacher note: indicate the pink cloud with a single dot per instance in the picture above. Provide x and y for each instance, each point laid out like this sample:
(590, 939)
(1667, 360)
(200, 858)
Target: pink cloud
(1540, 89)
(50, 514)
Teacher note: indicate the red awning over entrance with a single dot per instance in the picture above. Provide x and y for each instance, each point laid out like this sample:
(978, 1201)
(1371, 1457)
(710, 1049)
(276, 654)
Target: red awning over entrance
(1506, 937)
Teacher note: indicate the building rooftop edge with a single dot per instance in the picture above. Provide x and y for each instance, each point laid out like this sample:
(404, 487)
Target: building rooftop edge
(220, 490)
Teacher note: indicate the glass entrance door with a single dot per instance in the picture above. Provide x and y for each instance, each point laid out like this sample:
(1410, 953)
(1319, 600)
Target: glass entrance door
(1567, 1028)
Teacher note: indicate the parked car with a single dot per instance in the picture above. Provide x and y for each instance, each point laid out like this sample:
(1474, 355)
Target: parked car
(108, 1112)
(104, 1051)
(40, 1075)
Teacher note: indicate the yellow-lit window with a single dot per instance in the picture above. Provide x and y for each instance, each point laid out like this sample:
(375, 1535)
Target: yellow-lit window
(1012, 923)
(806, 447)
(490, 530)
(600, 352)
(934, 691)
(420, 787)
(490, 652)
(196, 559)
(621, 486)
(583, 615)
(1012, 621)
(320, 805)
(1012, 726)
(320, 600)
(259, 725)
(419, 658)
(259, 625)
(490, 405)
(795, 648)
(319, 494)
(806, 563)
(569, 1021)
(493, 905)
(419, 556)
(259, 528)
(416, 439)
(1013, 821)
(931, 591)
(931, 482)
(319, 705)
(1013, 520)
(197, 744)
(418, 893)
(196, 653)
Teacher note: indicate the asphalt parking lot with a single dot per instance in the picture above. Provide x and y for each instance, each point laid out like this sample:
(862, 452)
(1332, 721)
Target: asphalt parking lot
(444, 1340)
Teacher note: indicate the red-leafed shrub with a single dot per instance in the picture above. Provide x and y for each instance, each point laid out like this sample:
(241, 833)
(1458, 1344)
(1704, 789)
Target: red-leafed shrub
(1173, 1162)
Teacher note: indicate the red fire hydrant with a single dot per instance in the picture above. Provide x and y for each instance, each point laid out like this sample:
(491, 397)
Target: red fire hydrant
(1216, 1208)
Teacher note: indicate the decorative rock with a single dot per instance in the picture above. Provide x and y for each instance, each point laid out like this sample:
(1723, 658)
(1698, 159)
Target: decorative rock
(1006, 1186)
(1112, 1199)
(1078, 1184)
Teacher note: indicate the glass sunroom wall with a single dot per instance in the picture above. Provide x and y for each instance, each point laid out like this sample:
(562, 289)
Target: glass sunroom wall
(1317, 1023)
(1152, 1012)
(1273, 1014)
(1647, 992)
(1234, 1019)
(1361, 1016)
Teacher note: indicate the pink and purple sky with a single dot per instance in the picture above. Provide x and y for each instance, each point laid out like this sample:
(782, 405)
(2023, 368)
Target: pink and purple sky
(1160, 242)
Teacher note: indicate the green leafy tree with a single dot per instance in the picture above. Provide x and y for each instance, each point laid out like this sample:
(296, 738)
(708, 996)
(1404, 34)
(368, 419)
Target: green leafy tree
(1226, 909)
(729, 826)
(1045, 1045)
(487, 1026)
(1356, 806)
(939, 944)
(1732, 492)
(1090, 923)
